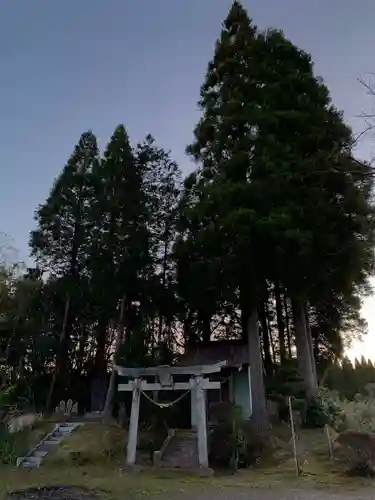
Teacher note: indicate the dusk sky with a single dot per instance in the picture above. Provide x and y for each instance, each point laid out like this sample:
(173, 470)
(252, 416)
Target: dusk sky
(67, 67)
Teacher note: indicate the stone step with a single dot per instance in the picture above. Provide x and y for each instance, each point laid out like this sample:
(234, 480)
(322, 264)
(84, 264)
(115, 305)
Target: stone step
(61, 432)
(20, 460)
(182, 452)
(45, 447)
(40, 453)
(32, 461)
(30, 465)
(52, 441)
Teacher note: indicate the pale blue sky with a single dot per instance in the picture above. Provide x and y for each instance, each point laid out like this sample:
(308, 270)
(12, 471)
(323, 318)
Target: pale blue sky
(73, 65)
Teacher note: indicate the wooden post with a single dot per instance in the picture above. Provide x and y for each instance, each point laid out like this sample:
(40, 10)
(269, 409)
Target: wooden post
(295, 453)
(133, 427)
(329, 440)
(200, 401)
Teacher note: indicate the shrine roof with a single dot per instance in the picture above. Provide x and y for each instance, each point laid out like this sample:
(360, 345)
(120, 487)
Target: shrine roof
(235, 352)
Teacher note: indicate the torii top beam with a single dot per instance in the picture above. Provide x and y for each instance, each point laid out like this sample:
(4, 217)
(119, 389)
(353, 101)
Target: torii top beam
(173, 370)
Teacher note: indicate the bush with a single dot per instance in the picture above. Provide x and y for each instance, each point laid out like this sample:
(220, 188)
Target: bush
(11, 447)
(223, 446)
(315, 414)
(226, 439)
(359, 450)
(356, 415)
(285, 381)
(355, 421)
(234, 442)
(254, 445)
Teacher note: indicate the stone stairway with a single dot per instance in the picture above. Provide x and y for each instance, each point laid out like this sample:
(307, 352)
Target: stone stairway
(181, 452)
(34, 458)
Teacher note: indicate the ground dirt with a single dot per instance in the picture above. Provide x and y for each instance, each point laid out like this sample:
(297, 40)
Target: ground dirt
(74, 493)
(89, 466)
(262, 494)
(100, 483)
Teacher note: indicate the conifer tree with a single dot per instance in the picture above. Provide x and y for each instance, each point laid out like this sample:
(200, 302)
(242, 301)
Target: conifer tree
(62, 237)
(121, 255)
(316, 206)
(161, 187)
(224, 145)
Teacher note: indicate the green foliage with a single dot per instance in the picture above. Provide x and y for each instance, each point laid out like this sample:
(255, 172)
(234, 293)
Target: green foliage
(8, 396)
(62, 228)
(314, 414)
(9, 448)
(17, 396)
(227, 442)
(12, 446)
(349, 379)
(359, 450)
(284, 383)
(235, 442)
(355, 415)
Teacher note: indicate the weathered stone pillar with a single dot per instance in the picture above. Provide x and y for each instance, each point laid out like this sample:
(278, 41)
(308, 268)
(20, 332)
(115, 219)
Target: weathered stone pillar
(133, 427)
(201, 423)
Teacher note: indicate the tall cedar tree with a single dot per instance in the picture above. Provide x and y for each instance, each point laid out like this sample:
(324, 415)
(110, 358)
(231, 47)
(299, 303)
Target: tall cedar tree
(224, 144)
(123, 254)
(317, 213)
(276, 190)
(60, 242)
(162, 191)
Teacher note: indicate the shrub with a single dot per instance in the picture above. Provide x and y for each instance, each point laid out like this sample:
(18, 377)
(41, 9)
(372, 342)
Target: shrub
(224, 446)
(254, 445)
(234, 442)
(221, 412)
(11, 446)
(285, 382)
(356, 415)
(355, 421)
(359, 450)
(315, 414)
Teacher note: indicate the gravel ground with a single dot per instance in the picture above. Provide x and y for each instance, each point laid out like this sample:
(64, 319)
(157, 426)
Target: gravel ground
(53, 493)
(72, 493)
(268, 494)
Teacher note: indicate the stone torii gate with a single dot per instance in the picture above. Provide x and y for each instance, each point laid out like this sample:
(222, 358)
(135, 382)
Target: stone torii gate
(197, 384)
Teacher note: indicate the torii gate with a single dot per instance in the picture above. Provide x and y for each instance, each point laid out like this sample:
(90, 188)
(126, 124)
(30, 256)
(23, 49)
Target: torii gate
(197, 384)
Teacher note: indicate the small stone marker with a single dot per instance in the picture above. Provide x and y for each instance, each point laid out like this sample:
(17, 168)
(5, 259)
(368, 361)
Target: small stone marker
(69, 406)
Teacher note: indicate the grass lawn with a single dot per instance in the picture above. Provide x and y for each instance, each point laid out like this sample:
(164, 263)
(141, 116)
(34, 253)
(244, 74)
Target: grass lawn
(91, 444)
(93, 455)
(110, 483)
